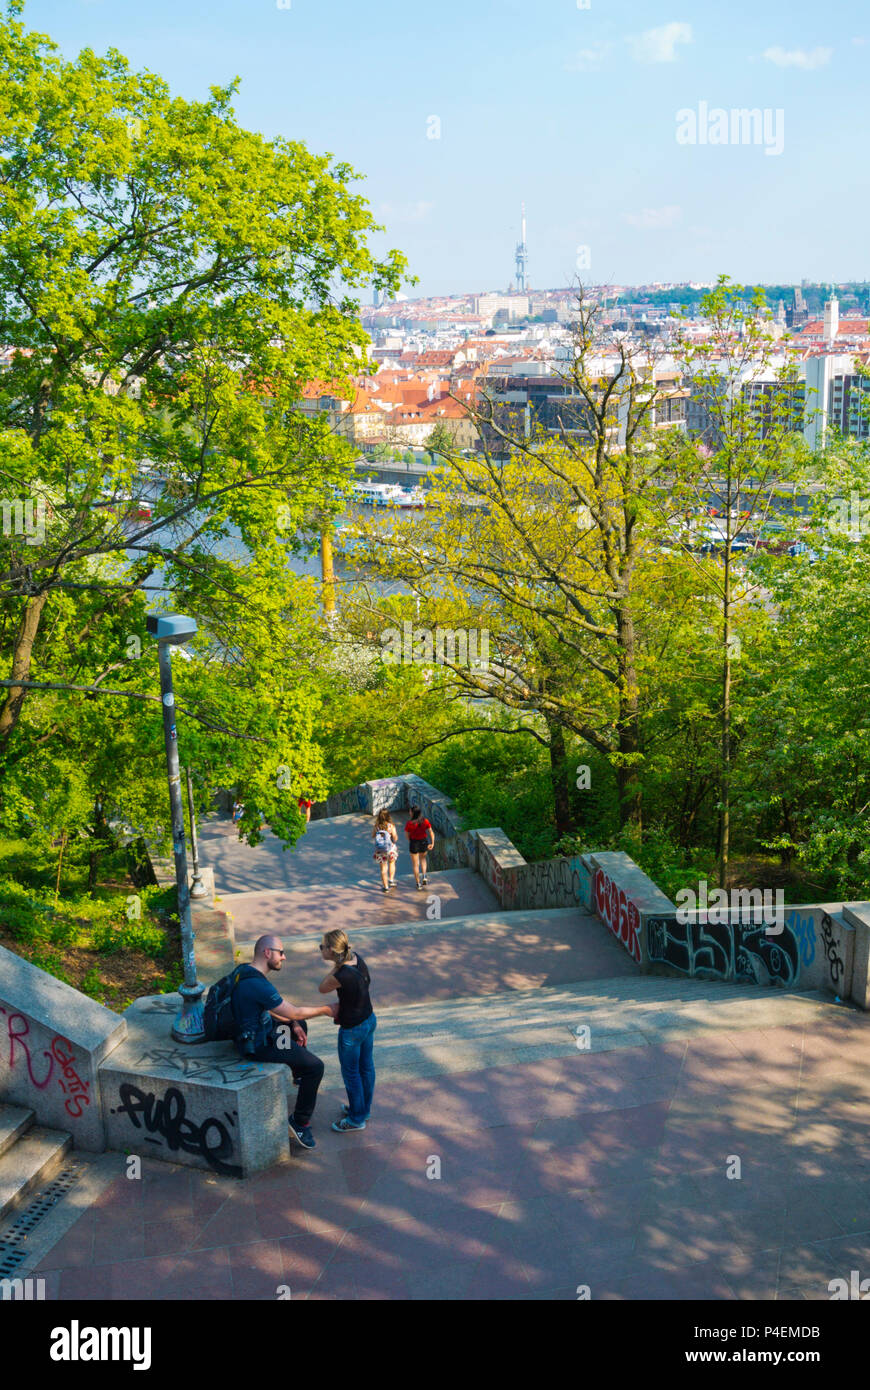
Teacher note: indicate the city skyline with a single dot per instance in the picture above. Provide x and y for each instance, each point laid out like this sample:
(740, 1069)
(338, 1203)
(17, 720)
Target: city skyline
(577, 111)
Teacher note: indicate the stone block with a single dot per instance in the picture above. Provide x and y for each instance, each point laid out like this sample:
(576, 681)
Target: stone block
(857, 915)
(624, 898)
(195, 1104)
(52, 1042)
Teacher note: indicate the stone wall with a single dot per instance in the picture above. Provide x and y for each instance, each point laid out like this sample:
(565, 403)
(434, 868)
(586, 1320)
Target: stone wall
(813, 947)
(200, 1105)
(821, 946)
(52, 1042)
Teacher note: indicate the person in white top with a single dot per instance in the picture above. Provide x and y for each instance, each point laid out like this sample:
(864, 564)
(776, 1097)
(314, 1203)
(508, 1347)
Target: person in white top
(386, 852)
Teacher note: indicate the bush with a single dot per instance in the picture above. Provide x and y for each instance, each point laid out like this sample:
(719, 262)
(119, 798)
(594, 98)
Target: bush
(92, 985)
(49, 960)
(63, 932)
(23, 924)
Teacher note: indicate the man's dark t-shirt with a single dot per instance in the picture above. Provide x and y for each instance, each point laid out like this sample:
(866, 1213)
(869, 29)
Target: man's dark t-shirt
(252, 999)
(354, 1004)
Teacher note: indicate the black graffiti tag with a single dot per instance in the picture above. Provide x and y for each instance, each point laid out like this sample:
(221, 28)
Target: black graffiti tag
(835, 960)
(167, 1117)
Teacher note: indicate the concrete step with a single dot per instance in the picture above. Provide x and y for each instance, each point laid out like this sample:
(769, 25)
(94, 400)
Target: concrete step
(534, 1025)
(338, 850)
(352, 905)
(15, 1121)
(483, 954)
(29, 1163)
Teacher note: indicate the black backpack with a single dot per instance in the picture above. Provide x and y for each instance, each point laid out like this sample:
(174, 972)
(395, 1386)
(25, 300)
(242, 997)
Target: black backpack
(219, 1020)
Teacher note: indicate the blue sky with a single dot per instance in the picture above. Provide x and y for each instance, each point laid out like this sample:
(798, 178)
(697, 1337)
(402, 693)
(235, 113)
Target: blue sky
(574, 110)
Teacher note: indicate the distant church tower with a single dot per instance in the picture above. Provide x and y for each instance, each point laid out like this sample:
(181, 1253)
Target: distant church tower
(832, 317)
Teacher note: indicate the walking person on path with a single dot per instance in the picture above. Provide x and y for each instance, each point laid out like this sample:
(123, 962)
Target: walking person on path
(421, 839)
(386, 853)
(356, 1021)
(256, 1004)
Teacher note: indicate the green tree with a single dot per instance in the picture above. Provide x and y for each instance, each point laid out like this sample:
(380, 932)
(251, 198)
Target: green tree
(751, 457)
(162, 317)
(168, 282)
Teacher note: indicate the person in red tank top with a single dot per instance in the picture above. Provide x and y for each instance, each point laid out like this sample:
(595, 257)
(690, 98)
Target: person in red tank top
(421, 839)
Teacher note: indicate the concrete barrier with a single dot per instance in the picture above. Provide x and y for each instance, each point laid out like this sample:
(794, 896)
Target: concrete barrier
(202, 1106)
(811, 948)
(52, 1042)
(499, 863)
(857, 916)
(820, 946)
(624, 898)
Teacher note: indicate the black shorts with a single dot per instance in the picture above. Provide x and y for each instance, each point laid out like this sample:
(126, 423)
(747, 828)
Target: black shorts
(418, 846)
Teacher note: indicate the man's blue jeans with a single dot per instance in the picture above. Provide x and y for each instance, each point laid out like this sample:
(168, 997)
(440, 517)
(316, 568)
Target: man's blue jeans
(355, 1056)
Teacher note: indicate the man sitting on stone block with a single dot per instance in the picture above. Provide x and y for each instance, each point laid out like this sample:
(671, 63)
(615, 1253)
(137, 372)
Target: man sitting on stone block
(256, 1005)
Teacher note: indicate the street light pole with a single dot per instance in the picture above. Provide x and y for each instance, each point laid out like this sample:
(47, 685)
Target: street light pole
(197, 887)
(173, 629)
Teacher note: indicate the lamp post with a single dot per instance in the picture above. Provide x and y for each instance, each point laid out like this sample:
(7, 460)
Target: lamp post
(197, 887)
(171, 630)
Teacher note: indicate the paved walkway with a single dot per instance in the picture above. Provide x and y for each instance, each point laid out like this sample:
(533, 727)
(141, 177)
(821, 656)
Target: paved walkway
(709, 1142)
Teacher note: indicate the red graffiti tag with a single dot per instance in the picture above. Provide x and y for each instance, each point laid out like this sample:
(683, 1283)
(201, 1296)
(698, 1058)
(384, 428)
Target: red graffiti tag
(73, 1087)
(76, 1090)
(18, 1028)
(618, 913)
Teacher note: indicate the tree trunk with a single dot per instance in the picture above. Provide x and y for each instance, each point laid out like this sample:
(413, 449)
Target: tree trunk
(10, 710)
(725, 812)
(627, 775)
(559, 780)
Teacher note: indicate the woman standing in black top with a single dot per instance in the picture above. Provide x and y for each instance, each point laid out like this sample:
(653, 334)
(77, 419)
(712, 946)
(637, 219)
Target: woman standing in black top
(356, 1027)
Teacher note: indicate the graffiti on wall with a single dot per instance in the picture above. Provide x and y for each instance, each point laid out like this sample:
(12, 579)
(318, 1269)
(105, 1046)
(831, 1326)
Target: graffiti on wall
(166, 1122)
(725, 951)
(386, 795)
(57, 1063)
(503, 881)
(617, 912)
(555, 883)
(831, 949)
(803, 925)
(223, 1069)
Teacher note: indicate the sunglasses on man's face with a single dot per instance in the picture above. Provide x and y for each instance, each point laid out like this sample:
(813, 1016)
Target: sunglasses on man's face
(275, 951)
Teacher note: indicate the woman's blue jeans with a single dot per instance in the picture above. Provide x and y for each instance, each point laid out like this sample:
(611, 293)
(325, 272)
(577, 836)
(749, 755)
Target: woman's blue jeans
(355, 1056)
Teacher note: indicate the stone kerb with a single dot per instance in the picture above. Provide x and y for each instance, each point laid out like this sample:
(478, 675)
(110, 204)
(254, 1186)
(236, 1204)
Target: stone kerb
(202, 1105)
(625, 898)
(52, 1042)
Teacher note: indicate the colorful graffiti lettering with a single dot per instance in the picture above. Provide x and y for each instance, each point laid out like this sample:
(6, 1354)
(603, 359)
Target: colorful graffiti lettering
(618, 912)
(804, 928)
(724, 951)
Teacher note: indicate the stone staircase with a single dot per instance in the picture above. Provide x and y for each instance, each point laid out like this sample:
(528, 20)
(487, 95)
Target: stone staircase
(30, 1155)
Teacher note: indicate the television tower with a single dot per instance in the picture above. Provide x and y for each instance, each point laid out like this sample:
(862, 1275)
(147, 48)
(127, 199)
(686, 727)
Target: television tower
(522, 257)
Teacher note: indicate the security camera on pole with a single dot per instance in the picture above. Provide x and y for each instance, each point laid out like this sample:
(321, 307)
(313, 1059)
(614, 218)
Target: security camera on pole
(171, 630)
